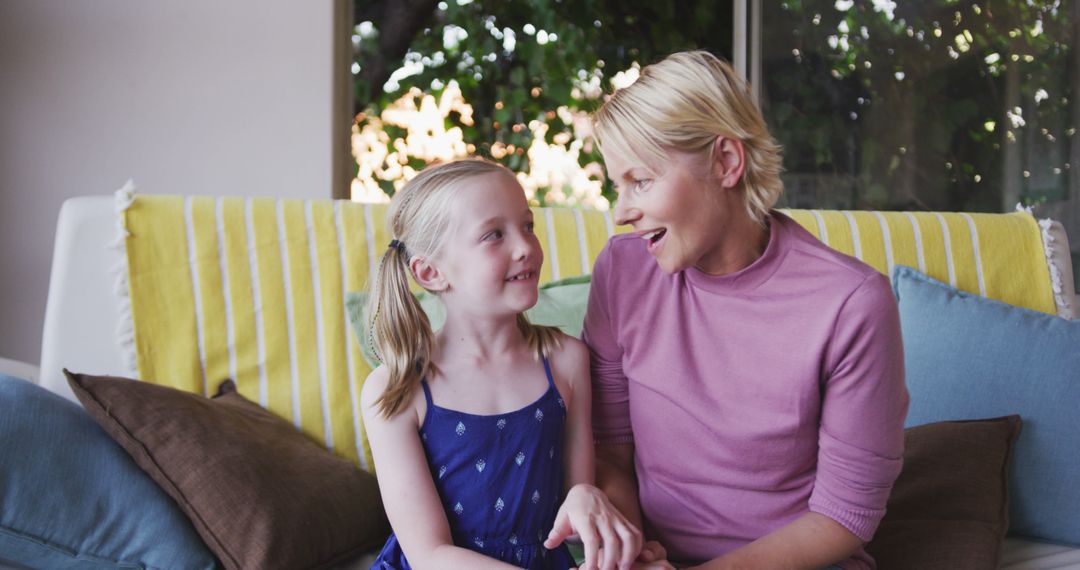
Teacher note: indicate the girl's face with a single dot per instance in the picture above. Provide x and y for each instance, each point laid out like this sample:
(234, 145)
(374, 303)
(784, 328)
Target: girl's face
(682, 212)
(491, 260)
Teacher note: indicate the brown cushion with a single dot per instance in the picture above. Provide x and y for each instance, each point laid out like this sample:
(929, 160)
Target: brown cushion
(949, 507)
(258, 491)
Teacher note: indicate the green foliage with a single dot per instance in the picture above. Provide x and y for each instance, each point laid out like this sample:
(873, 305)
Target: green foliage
(910, 106)
(903, 99)
(562, 53)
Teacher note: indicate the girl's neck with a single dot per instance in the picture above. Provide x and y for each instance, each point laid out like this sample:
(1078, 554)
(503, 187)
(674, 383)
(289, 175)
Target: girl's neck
(479, 340)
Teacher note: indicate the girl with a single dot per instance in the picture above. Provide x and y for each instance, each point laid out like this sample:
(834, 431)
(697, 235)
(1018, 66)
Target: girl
(475, 428)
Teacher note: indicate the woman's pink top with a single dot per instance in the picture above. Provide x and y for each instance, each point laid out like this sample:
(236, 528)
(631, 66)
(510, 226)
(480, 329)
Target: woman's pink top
(750, 398)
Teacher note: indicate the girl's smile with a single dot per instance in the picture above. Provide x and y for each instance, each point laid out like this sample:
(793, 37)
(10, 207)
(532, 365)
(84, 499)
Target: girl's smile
(524, 277)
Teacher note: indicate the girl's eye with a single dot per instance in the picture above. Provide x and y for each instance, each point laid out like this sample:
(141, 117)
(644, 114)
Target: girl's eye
(495, 235)
(642, 184)
(529, 227)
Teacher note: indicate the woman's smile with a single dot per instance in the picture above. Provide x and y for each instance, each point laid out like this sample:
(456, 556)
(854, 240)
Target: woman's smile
(654, 239)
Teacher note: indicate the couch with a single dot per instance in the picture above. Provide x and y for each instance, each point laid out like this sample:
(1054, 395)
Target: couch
(85, 312)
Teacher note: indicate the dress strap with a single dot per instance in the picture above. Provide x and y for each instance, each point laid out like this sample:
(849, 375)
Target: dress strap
(547, 370)
(427, 394)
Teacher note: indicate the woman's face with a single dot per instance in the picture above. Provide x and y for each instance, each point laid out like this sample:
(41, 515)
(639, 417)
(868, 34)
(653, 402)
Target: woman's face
(682, 211)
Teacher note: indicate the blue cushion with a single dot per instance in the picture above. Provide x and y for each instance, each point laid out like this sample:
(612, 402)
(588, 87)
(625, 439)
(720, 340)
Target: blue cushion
(968, 357)
(70, 497)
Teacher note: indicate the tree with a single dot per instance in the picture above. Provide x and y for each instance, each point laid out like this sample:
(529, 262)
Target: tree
(947, 105)
(944, 105)
(519, 64)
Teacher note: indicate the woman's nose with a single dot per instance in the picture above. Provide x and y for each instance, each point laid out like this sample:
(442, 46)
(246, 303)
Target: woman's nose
(625, 212)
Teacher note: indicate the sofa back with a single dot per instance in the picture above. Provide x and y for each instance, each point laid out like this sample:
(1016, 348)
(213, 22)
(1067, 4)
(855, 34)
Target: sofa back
(253, 289)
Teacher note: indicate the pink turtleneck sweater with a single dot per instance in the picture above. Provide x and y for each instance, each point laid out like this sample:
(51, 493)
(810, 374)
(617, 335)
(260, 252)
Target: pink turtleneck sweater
(751, 398)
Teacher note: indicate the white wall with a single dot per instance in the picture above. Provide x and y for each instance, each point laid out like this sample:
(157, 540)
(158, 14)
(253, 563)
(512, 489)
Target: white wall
(183, 96)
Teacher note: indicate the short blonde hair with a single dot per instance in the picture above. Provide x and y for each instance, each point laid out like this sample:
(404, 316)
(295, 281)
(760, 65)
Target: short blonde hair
(399, 331)
(684, 102)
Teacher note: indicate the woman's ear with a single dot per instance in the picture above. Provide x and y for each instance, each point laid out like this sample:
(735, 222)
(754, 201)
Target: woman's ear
(427, 275)
(728, 161)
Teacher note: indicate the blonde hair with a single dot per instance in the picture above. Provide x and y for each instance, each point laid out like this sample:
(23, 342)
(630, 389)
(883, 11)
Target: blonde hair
(398, 330)
(684, 102)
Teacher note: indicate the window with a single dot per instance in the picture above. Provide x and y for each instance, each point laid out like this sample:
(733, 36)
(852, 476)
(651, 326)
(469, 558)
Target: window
(944, 105)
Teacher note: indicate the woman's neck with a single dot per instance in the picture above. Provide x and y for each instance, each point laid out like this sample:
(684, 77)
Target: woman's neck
(743, 241)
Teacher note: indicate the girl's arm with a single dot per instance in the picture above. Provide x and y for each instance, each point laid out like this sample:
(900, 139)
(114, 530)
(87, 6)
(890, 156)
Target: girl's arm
(609, 538)
(408, 493)
(579, 460)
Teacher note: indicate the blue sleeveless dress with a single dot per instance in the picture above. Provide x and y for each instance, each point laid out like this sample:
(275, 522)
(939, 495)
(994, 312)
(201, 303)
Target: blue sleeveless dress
(500, 479)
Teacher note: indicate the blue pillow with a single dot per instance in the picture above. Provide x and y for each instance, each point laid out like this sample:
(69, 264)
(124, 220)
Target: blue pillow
(969, 357)
(70, 497)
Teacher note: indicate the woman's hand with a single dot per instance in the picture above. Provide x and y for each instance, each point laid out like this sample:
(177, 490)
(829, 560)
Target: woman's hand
(657, 565)
(611, 541)
(653, 556)
(653, 551)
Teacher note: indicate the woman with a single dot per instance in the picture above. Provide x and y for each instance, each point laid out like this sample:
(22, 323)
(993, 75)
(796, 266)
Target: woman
(748, 381)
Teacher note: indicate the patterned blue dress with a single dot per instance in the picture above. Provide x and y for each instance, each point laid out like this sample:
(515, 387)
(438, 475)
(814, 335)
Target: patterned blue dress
(500, 480)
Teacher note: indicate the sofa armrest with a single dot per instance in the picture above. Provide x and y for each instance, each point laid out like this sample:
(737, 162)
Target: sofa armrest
(82, 314)
(19, 369)
(1059, 257)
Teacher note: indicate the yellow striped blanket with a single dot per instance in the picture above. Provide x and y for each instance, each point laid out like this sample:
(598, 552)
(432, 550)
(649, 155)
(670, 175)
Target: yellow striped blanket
(253, 289)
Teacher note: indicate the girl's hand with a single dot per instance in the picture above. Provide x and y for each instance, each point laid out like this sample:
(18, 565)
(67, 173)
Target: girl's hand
(610, 540)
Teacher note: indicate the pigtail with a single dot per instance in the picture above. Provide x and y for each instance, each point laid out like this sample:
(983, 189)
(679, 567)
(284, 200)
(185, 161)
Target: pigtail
(399, 331)
(542, 340)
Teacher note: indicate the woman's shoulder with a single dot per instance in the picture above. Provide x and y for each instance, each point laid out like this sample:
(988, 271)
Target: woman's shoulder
(817, 261)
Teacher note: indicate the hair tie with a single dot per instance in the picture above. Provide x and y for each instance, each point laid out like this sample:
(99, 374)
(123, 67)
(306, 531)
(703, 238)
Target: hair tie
(398, 245)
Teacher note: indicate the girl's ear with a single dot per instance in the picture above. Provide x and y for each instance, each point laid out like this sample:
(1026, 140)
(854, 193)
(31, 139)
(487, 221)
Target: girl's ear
(728, 161)
(427, 275)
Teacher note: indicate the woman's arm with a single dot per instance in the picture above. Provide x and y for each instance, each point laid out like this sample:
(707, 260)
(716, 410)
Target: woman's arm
(609, 538)
(408, 493)
(809, 542)
(615, 476)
